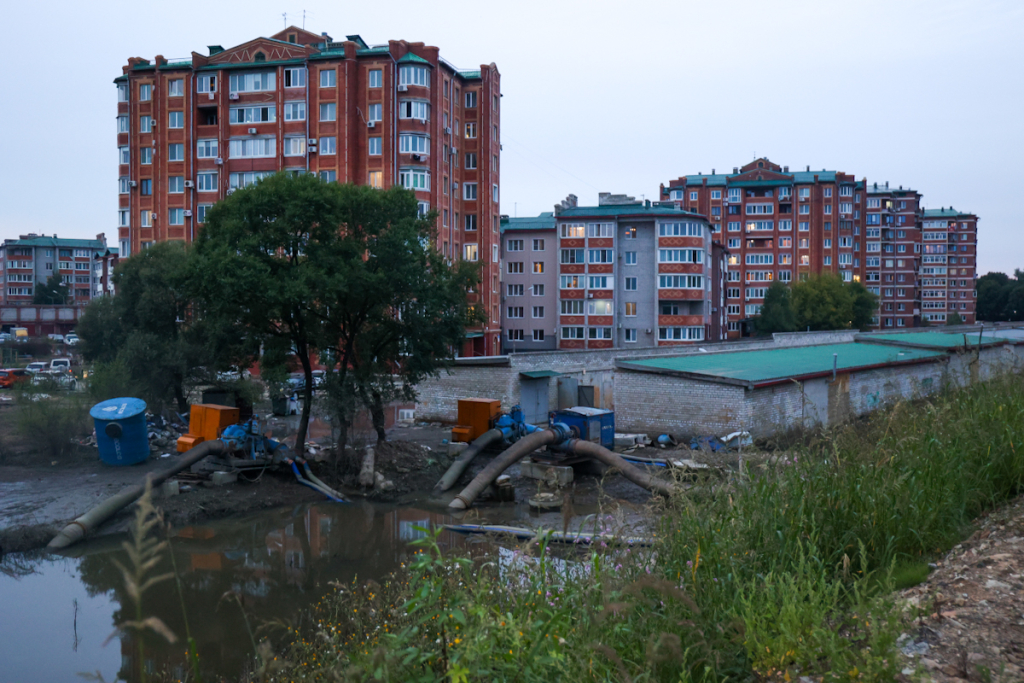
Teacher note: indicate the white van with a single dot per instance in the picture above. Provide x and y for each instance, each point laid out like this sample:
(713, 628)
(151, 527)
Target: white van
(61, 364)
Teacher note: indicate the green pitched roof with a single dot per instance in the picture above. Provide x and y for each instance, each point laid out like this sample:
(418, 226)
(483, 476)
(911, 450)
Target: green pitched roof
(934, 339)
(626, 210)
(945, 213)
(57, 242)
(470, 74)
(409, 57)
(770, 366)
(545, 221)
(379, 50)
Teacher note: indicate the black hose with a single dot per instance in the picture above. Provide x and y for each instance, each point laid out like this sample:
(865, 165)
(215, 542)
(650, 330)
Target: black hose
(517, 451)
(466, 457)
(634, 474)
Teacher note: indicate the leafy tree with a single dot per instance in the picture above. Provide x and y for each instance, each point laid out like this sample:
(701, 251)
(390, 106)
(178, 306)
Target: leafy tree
(826, 302)
(50, 293)
(954, 319)
(143, 338)
(777, 312)
(993, 293)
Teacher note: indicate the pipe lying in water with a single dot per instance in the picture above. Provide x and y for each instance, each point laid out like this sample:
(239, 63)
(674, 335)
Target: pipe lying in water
(556, 434)
(489, 437)
(92, 519)
(306, 482)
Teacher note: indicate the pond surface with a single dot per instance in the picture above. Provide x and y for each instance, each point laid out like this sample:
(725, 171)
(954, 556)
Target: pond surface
(56, 612)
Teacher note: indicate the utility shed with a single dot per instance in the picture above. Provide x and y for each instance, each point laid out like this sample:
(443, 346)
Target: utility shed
(770, 390)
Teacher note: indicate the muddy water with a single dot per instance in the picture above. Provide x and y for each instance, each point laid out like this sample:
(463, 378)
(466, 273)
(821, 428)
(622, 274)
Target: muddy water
(55, 614)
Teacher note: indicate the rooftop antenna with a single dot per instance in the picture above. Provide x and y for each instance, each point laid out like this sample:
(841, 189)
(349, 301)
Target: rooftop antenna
(284, 15)
(303, 20)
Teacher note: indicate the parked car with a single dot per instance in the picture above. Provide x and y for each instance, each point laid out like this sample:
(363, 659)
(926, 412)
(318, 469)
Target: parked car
(38, 366)
(55, 337)
(297, 380)
(71, 339)
(5, 337)
(20, 334)
(61, 364)
(55, 379)
(12, 377)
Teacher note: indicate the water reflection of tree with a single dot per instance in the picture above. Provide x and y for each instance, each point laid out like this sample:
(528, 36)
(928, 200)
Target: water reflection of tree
(279, 565)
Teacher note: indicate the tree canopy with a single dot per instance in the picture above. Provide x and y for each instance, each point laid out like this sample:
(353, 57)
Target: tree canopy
(50, 293)
(1000, 297)
(821, 302)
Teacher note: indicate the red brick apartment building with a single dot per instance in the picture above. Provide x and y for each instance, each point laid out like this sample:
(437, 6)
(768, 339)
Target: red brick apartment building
(779, 224)
(191, 132)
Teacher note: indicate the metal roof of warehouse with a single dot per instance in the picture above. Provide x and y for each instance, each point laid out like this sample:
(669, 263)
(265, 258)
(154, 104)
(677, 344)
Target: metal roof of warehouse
(772, 366)
(938, 340)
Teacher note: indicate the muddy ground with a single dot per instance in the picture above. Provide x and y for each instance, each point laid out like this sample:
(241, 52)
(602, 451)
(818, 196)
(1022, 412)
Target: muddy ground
(38, 495)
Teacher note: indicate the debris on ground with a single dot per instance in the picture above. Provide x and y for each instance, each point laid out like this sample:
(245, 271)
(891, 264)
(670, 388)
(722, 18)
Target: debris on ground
(973, 623)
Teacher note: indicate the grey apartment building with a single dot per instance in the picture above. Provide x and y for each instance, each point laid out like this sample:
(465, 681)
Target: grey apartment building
(623, 274)
(32, 259)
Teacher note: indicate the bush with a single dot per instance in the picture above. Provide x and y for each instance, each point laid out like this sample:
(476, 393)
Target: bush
(53, 420)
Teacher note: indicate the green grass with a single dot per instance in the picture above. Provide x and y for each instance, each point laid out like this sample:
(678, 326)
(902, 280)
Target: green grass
(785, 574)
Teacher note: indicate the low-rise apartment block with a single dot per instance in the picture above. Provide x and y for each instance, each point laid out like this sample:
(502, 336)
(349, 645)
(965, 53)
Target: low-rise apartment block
(32, 259)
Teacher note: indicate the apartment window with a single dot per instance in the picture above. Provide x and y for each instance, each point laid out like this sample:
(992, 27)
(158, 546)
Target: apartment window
(601, 256)
(827, 261)
(146, 187)
(253, 148)
(630, 257)
(494, 192)
(515, 335)
(146, 218)
(680, 282)
(598, 282)
(413, 75)
(252, 82)
(239, 180)
(514, 290)
(630, 309)
(680, 230)
(122, 186)
(414, 109)
(804, 226)
(538, 335)
(600, 229)
(471, 222)
(470, 160)
(734, 242)
(471, 252)
(176, 216)
(176, 152)
(414, 179)
(328, 111)
(145, 124)
(469, 191)
(470, 100)
(328, 78)
(295, 78)
(122, 124)
(571, 256)
(515, 267)
(328, 145)
(376, 78)
(538, 311)
(176, 184)
(734, 226)
(538, 245)
(599, 332)
(376, 179)
(206, 84)
(294, 146)
(123, 218)
(145, 92)
(572, 333)
(206, 182)
(258, 114)
(471, 131)
(514, 245)
(296, 111)
(122, 92)
(680, 333)
(514, 312)
(538, 290)
(630, 284)
(569, 281)
(206, 149)
(680, 256)
(124, 155)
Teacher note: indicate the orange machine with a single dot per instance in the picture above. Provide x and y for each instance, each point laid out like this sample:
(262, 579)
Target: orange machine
(205, 423)
(476, 415)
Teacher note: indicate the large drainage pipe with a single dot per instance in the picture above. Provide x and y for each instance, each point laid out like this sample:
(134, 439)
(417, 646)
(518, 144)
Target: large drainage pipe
(517, 451)
(489, 437)
(92, 519)
(557, 434)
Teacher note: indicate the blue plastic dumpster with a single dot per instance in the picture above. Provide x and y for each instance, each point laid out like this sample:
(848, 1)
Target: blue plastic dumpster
(121, 433)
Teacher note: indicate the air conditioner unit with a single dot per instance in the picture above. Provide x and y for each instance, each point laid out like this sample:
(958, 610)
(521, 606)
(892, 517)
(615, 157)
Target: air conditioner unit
(311, 149)
(230, 190)
(649, 331)
(189, 183)
(233, 96)
(219, 161)
(252, 131)
(620, 326)
(403, 88)
(133, 183)
(188, 213)
(371, 124)
(311, 141)
(416, 157)
(590, 295)
(213, 95)
(448, 131)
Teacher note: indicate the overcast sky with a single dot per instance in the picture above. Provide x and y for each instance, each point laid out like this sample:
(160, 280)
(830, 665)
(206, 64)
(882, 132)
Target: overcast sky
(598, 96)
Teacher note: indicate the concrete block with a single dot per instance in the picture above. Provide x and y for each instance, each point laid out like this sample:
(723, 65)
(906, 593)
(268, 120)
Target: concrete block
(169, 488)
(556, 475)
(455, 448)
(222, 478)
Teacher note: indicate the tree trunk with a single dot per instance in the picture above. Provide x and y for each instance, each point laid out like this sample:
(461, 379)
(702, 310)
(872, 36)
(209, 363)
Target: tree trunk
(307, 404)
(377, 416)
(179, 396)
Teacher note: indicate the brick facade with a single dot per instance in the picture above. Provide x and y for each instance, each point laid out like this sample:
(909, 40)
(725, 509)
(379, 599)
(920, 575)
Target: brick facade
(32, 259)
(191, 132)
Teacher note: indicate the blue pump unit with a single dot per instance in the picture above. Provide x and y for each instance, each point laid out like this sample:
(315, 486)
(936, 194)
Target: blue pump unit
(513, 425)
(248, 438)
(588, 424)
